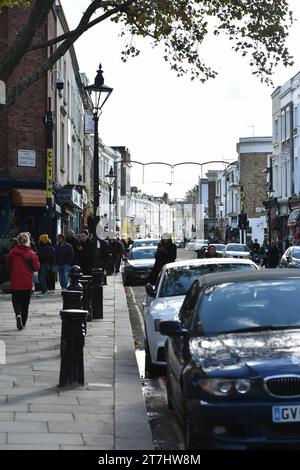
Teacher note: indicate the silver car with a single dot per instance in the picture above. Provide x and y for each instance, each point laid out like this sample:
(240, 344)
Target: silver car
(236, 250)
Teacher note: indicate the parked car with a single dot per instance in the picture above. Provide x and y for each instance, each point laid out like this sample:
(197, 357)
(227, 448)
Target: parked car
(138, 265)
(179, 242)
(200, 243)
(164, 301)
(190, 246)
(220, 247)
(233, 358)
(145, 242)
(236, 250)
(290, 258)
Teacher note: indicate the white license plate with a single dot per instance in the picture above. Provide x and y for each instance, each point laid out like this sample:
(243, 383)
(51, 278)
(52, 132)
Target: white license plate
(286, 414)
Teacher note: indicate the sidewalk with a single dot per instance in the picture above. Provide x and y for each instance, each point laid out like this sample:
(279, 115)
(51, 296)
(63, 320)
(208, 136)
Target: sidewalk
(108, 413)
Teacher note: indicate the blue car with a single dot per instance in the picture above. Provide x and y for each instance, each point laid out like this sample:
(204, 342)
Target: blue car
(233, 361)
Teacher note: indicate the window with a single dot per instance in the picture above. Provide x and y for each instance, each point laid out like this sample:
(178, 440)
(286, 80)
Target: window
(282, 126)
(276, 132)
(287, 124)
(283, 171)
(62, 146)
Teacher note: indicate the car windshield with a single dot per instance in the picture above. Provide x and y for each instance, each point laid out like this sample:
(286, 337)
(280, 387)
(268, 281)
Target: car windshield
(145, 243)
(236, 247)
(220, 247)
(204, 242)
(177, 281)
(249, 305)
(296, 254)
(142, 254)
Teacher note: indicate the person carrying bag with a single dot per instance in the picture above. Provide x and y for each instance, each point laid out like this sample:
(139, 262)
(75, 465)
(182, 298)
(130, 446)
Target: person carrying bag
(22, 262)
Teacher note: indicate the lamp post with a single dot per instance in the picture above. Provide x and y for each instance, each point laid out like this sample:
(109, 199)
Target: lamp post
(111, 179)
(101, 94)
(270, 193)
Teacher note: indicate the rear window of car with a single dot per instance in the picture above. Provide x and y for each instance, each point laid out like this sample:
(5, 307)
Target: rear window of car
(239, 305)
(142, 254)
(145, 243)
(177, 281)
(233, 247)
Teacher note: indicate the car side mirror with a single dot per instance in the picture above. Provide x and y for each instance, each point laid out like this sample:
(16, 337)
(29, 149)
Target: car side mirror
(150, 289)
(172, 328)
(289, 259)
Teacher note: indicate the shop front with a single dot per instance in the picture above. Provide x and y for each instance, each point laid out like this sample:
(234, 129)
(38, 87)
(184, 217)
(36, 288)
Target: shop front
(71, 204)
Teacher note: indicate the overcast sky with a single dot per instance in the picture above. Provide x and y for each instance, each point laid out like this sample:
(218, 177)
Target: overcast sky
(160, 117)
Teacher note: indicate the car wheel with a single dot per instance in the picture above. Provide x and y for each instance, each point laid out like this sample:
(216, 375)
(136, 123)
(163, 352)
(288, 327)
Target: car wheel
(150, 368)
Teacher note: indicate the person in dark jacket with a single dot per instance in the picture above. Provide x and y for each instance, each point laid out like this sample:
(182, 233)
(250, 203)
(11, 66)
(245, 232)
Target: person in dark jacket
(115, 252)
(85, 253)
(166, 253)
(46, 256)
(64, 256)
(22, 261)
(272, 256)
(211, 252)
(70, 238)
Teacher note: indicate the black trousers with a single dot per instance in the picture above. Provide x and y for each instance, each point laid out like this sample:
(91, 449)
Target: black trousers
(21, 301)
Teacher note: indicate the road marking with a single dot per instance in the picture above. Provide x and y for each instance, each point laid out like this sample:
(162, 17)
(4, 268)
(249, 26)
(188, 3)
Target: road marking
(140, 315)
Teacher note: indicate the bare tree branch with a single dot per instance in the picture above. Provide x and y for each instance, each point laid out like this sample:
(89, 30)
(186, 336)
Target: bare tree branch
(59, 52)
(11, 58)
(82, 27)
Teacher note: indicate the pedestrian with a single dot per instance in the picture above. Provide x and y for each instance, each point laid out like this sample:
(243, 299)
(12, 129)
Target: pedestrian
(272, 256)
(70, 238)
(22, 261)
(46, 255)
(64, 256)
(166, 253)
(85, 253)
(115, 252)
(32, 243)
(211, 252)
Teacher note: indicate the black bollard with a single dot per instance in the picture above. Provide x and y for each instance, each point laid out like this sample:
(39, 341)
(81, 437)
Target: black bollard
(75, 274)
(86, 281)
(97, 293)
(71, 364)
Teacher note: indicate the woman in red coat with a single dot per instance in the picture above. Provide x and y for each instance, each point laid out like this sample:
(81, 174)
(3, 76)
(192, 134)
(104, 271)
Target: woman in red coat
(21, 263)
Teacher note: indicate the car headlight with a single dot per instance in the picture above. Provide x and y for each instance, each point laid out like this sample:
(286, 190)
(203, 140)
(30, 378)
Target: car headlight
(224, 387)
(242, 386)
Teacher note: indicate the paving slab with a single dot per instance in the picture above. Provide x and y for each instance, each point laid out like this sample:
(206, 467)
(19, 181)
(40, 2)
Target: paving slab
(36, 414)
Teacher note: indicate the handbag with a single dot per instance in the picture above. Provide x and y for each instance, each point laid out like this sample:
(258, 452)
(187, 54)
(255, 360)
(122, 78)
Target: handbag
(35, 277)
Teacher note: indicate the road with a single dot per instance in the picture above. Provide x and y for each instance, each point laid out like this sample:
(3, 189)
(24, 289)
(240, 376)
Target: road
(165, 429)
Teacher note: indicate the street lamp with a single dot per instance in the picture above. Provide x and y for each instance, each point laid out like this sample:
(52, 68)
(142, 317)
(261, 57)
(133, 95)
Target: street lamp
(111, 179)
(270, 193)
(101, 94)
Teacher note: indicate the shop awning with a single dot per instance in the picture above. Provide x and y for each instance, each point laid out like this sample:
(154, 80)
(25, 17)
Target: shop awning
(29, 197)
(294, 218)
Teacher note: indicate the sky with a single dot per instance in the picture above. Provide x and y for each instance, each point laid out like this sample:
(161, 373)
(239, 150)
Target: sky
(162, 118)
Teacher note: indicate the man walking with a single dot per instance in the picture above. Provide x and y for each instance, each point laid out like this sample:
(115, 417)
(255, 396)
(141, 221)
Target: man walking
(64, 255)
(166, 253)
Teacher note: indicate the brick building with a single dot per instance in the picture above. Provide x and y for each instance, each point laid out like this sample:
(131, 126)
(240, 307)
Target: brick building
(23, 136)
(254, 153)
